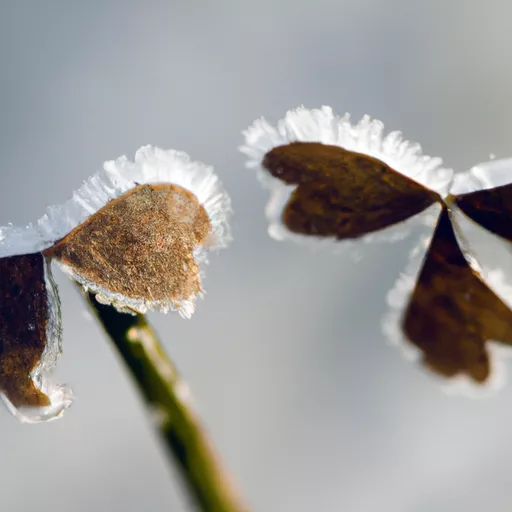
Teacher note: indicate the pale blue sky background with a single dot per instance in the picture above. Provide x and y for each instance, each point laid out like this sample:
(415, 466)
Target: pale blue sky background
(310, 407)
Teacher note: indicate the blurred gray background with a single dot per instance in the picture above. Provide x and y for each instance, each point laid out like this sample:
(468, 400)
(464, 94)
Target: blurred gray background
(310, 407)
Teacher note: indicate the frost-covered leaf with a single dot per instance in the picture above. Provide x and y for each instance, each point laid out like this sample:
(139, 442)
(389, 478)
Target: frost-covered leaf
(330, 179)
(30, 339)
(448, 313)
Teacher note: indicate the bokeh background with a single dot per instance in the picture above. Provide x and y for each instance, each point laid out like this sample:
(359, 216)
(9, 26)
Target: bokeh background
(309, 406)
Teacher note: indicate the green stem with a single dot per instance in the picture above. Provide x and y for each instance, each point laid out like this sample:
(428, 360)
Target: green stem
(165, 395)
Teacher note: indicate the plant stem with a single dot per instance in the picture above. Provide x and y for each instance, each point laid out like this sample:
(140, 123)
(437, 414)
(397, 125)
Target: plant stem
(166, 398)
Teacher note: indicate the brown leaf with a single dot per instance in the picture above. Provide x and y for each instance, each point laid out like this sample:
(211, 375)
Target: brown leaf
(24, 315)
(140, 245)
(491, 208)
(341, 193)
(452, 312)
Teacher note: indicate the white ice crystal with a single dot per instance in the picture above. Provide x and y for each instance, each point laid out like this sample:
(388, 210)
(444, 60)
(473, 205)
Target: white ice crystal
(15, 241)
(483, 176)
(321, 125)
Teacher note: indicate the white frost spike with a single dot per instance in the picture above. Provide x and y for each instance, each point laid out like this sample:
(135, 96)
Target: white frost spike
(483, 176)
(20, 240)
(367, 137)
